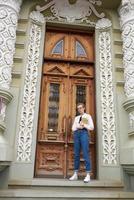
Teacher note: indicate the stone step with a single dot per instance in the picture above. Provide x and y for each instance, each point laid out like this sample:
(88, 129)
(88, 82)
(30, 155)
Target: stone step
(64, 194)
(65, 183)
(63, 189)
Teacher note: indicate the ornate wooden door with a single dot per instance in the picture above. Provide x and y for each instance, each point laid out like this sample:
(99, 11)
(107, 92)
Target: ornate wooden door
(67, 78)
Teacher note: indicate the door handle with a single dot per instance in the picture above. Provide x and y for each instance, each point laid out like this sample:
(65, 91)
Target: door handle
(63, 126)
(69, 124)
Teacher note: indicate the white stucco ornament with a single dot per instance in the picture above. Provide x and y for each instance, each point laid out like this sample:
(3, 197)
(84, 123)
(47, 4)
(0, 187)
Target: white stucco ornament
(126, 11)
(65, 11)
(9, 11)
(14, 4)
(37, 17)
(8, 24)
(28, 107)
(131, 120)
(103, 23)
(109, 143)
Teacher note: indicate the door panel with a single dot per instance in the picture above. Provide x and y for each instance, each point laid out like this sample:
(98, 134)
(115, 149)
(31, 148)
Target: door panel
(66, 81)
(80, 92)
(50, 159)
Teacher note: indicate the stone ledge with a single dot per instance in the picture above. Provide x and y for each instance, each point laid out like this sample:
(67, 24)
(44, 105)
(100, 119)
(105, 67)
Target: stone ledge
(119, 55)
(131, 132)
(20, 45)
(118, 42)
(119, 69)
(18, 59)
(16, 74)
(120, 83)
(129, 104)
(6, 95)
(21, 32)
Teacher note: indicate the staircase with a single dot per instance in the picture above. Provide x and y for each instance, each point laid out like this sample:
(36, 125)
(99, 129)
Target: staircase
(63, 189)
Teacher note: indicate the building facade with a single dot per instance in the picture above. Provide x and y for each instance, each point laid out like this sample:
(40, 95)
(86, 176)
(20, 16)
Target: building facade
(54, 54)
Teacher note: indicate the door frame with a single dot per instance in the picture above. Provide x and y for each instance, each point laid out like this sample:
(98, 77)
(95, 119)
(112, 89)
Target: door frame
(37, 24)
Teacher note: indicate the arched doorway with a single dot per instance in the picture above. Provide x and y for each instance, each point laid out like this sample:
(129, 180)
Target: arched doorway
(67, 78)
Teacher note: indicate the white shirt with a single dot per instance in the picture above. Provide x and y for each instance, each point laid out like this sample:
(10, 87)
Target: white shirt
(89, 126)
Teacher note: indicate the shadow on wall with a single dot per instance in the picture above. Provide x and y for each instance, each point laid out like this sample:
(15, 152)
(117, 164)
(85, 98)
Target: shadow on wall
(128, 172)
(4, 175)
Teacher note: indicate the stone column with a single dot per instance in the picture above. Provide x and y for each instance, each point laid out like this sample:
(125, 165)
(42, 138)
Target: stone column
(9, 11)
(126, 12)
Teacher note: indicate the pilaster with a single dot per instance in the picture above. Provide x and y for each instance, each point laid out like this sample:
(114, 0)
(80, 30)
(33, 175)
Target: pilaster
(105, 98)
(26, 124)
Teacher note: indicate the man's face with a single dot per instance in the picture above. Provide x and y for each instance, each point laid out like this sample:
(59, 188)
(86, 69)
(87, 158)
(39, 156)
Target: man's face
(81, 109)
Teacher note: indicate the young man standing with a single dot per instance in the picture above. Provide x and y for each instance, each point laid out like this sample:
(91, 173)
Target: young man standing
(82, 124)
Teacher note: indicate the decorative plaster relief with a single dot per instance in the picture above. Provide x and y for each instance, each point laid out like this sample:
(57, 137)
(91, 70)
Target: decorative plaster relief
(126, 12)
(131, 119)
(8, 24)
(107, 95)
(78, 12)
(37, 17)
(128, 57)
(103, 23)
(28, 107)
(14, 4)
(2, 109)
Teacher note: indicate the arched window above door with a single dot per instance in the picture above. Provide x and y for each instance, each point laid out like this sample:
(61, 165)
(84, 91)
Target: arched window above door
(69, 46)
(80, 50)
(58, 48)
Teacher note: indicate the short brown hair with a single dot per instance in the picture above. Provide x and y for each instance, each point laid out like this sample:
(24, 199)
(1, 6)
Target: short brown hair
(81, 104)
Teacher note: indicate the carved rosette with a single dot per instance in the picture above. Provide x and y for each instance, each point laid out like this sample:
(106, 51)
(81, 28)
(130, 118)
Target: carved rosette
(126, 12)
(28, 104)
(8, 23)
(109, 144)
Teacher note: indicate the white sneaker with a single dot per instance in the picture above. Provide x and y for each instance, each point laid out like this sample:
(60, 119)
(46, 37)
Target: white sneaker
(74, 177)
(87, 178)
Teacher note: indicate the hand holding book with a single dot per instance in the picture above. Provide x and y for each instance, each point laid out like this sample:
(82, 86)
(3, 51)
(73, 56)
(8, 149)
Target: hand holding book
(84, 120)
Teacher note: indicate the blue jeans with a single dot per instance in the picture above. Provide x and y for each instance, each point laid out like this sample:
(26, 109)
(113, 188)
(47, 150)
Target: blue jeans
(81, 141)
